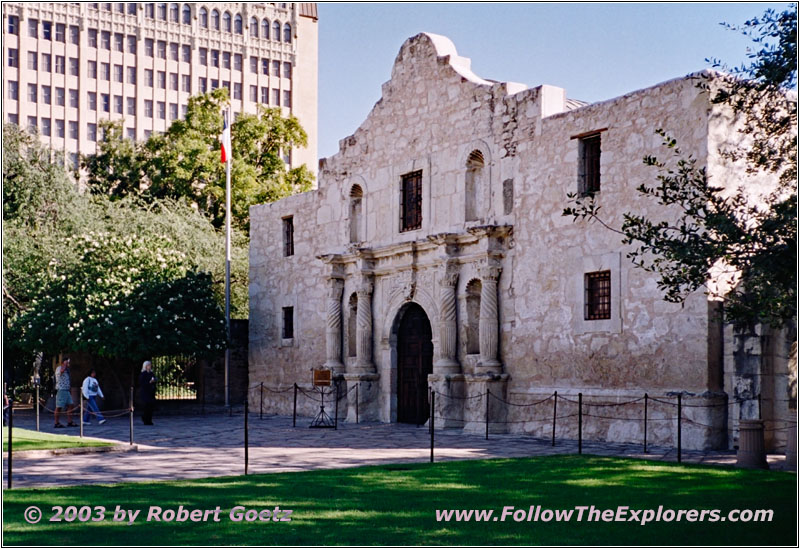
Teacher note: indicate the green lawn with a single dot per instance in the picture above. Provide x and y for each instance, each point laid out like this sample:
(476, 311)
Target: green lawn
(23, 439)
(395, 505)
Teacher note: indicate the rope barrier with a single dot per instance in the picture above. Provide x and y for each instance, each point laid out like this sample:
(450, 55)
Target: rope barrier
(520, 405)
(454, 397)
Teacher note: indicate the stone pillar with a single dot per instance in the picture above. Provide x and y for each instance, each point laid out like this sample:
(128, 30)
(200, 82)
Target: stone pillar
(447, 362)
(488, 327)
(333, 332)
(751, 453)
(364, 362)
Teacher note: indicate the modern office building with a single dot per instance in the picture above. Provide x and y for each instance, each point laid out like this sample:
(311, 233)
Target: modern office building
(70, 65)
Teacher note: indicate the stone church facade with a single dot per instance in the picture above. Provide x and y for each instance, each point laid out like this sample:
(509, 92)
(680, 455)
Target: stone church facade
(434, 255)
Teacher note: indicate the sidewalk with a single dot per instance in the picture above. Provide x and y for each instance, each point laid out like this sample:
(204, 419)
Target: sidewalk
(185, 447)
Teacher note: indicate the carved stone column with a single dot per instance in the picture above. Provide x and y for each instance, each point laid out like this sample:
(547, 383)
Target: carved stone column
(447, 362)
(488, 327)
(364, 362)
(333, 332)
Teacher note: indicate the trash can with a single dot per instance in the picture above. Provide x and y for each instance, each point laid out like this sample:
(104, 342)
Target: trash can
(751, 453)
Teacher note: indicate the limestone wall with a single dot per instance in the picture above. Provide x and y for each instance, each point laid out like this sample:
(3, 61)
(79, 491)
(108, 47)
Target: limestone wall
(434, 116)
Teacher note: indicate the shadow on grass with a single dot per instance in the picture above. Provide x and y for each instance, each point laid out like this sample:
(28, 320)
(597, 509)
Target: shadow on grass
(396, 505)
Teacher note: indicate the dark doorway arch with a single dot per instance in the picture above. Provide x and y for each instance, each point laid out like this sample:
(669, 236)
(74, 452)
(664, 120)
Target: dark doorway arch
(414, 363)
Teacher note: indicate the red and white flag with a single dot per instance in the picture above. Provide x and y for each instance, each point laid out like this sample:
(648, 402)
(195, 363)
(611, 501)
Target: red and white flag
(225, 139)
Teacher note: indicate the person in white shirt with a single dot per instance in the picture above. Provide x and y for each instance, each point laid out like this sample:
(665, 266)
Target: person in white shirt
(91, 390)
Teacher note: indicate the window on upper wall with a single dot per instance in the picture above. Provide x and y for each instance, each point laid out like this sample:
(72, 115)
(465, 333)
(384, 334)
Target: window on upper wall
(13, 24)
(356, 196)
(204, 18)
(74, 34)
(597, 301)
(61, 32)
(254, 27)
(276, 31)
(473, 185)
(237, 24)
(162, 12)
(226, 22)
(287, 33)
(215, 20)
(150, 10)
(288, 323)
(411, 201)
(288, 236)
(265, 29)
(33, 28)
(174, 13)
(187, 14)
(47, 30)
(589, 164)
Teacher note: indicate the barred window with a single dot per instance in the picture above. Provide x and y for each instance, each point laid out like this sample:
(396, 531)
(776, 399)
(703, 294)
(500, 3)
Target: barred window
(598, 295)
(589, 168)
(411, 202)
(288, 236)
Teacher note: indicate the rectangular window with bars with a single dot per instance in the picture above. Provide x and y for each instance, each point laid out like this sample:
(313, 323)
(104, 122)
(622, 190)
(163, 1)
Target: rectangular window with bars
(288, 236)
(411, 201)
(597, 301)
(288, 323)
(589, 168)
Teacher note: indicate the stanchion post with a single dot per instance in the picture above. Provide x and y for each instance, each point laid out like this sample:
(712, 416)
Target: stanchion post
(80, 419)
(679, 428)
(294, 408)
(357, 384)
(246, 441)
(433, 418)
(580, 423)
(645, 423)
(37, 407)
(336, 410)
(430, 401)
(261, 402)
(555, 408)
(487, 414)
(10, 444)
(130, 414)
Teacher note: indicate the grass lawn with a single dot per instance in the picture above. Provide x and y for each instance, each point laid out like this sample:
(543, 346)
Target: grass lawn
(396, 504)
(23, 439)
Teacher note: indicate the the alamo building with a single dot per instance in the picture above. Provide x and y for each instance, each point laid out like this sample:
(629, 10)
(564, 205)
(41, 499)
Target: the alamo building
(434, 256)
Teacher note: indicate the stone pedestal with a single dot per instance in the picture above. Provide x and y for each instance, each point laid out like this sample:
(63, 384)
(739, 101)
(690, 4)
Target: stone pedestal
(751, 453)
(450, 393)
(791, 449)
(365, 397)
(475, 411)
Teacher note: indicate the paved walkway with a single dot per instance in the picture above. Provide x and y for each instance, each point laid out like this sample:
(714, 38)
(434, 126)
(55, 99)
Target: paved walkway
(184, 447)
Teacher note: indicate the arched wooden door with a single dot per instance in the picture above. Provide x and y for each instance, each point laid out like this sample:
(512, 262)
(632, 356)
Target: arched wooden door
(414, 363)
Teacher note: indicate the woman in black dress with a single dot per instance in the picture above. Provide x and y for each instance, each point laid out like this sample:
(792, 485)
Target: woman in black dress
(147, 388)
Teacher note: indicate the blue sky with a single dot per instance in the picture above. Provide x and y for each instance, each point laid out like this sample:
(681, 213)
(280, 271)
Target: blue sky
(595, 51)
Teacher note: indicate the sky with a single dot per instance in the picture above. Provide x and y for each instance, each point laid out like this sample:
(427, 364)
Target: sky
(595, 51)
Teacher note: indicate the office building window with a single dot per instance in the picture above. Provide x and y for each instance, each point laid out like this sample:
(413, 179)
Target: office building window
(92, 38)
(148, 108)
(118, 73)
(131, 44)
(173, 51)
(73, 99)
(74, 66)
(162, 80)
(237, 61)
(33, 93)
(287, 33)
(60, 64)
(173, 111)
(32, 125)
(149, 44)
(13, 118)
(92, 69)
(105, 71)
(33, 61)
(186, 54)
(13, 57)
(131, 75)
(119, 42)
(265, 67)
(226, 60)
(276, 68)
(46, 127)
(203, 17)
(92, 100)
(276, 97)
(162, 110)
(131, 8)
(61, 97)
(174, 13)
(105, 40)
(73, 129)
(276, 31)
(187, 15)
(237, 90)
(214, 83)
(33, 29)
(148, 78)
(47, 62)
(162, 12)
(162, 49)
(173, 81)
(13, 90)
(47, 30)
(13, 24)
(60, 129)
(254, 94)
(131, 101)
(106, 99)
(91, 131)
(74, 34)
(61, 32)
(184, 110)
(202, 53)
(47, 95)
(287, 98)
(287, 70)
(215, 58)
(118, 104)
(203, 85)
(186, 83)
(265, 95)
(254, 65)
(131, 133)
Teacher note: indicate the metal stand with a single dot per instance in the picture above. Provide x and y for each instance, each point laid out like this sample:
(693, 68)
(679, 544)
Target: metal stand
(322, 419)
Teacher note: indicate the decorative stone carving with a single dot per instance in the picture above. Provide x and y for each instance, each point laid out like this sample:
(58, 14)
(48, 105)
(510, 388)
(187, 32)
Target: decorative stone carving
(488, 329)
(333, 331)
(364, 362)
(447, 362)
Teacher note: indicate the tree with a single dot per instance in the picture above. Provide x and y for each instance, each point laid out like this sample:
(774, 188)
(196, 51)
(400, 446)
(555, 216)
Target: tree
(184, 162)
(747, 240)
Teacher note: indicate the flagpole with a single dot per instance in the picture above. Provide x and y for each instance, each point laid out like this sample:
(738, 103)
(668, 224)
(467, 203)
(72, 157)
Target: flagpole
(228, 267)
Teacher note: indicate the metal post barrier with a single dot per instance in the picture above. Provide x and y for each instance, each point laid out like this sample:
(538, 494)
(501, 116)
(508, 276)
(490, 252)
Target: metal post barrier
(555, 407)
(37, 407)
(487, 414)
(130, 414)
(433, 396)
(645, 423)
(80, 419)
(357, 384)
(580, 423)
(294, 408)
(10, 445)
(759, 407)
(336, 410)
(246, 441)
(430, 397)
(679, 427)
(261, 402)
